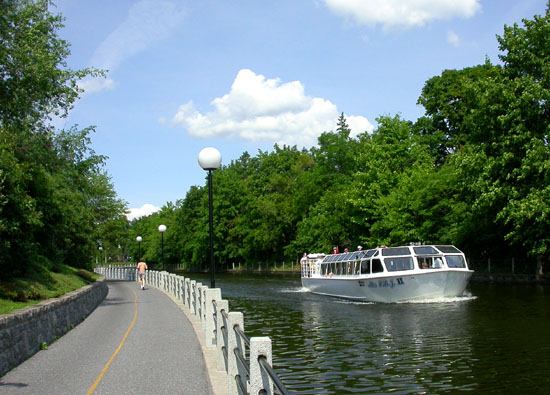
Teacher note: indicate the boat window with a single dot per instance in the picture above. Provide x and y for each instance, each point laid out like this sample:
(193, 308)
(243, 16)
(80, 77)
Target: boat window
(358, 255)
(393, 251)
(425, 250)
(365, 267)
(455, 260)
(377, 266)
(448, 249)
(425, 262)
(397, 264)
(370, 253)
(347, 257)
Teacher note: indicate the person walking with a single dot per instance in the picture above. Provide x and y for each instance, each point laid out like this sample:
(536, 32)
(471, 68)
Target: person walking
(141, 267)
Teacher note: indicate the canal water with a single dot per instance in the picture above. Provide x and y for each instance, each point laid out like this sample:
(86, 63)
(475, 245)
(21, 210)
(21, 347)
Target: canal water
(495, 339)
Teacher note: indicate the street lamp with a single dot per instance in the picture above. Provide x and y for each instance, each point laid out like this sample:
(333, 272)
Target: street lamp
(138, 239)
(210, 159)
(162, 229)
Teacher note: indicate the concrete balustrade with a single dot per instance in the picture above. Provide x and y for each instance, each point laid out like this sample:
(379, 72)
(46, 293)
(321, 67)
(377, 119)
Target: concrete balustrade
(218, 326)
(221, 307)
(259, 379)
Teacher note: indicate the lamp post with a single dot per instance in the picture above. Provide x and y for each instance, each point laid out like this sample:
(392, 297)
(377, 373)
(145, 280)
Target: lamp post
(210, 159)
(162, 229)
(138, 239)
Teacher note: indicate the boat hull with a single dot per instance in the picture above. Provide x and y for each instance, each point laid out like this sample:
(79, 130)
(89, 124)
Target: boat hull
(391, 289)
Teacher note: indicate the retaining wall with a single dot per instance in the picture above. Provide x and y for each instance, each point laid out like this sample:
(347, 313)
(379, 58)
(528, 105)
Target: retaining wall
(23, 331)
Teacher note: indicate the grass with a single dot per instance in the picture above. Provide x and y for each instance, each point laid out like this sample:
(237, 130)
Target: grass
(41, 284)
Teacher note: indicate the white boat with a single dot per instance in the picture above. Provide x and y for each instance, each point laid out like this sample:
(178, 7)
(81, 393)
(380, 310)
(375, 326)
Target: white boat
(388, 274)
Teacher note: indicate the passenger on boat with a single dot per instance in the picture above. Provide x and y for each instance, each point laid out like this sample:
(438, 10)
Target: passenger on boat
(346, 249)
(359, 248)
(303, 261)
(335, 250)
(438, 263)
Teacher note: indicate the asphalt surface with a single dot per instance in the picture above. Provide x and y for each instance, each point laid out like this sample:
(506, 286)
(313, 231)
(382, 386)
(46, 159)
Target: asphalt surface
(160, 354)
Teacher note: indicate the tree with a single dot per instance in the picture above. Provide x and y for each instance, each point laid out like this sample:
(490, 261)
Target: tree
(36, 82)
(497, 121)
(53, 190)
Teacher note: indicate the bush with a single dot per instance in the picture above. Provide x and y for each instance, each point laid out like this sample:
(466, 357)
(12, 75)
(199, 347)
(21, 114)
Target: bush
(86, 275)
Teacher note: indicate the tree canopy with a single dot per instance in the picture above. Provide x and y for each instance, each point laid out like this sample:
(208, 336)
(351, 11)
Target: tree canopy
(55, 197)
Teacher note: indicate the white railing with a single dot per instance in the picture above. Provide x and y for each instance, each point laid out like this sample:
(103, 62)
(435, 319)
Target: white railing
(223, 330)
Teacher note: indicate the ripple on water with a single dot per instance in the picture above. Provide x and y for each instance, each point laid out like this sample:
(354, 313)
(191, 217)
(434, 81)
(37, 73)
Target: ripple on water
(323, 345)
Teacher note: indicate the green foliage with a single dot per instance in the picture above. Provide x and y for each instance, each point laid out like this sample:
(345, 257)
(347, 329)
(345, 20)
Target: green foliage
(54, 195)
(41, 284)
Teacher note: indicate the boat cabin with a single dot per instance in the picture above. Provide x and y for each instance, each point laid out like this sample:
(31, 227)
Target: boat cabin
(385, 260)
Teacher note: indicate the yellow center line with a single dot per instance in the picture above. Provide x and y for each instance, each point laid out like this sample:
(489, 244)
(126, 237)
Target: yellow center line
(96, 382)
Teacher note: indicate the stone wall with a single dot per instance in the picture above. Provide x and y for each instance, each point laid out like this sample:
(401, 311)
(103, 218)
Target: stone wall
(23, 331)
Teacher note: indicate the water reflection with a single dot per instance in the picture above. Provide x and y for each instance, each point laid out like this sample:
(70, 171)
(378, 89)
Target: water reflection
(495, 340)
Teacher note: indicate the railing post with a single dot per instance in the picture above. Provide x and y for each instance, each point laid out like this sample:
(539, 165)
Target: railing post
(211, 295)
(197, 300)
(179, 280)
(259, 379)
(202, 305)
(187, 293)
(234, 341)
(192, 306)
(182, 290)
(221, 340)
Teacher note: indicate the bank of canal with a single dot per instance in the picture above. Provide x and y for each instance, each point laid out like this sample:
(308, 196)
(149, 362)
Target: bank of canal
(493, 340)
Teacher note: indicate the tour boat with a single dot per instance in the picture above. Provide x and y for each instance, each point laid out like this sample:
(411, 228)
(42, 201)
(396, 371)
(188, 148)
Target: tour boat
(388, 274)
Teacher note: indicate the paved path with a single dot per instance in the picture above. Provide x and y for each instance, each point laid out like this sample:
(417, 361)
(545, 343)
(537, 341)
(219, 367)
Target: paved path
(158, 351)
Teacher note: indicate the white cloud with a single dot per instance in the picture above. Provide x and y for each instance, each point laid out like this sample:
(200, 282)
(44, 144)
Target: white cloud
(93, 85)
(143, 211)
(453, 39)
(405, 13)
(147, 22)
(261, 109)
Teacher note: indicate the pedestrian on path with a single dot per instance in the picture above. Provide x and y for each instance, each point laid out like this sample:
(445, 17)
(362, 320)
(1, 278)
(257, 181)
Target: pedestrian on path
(141, 267)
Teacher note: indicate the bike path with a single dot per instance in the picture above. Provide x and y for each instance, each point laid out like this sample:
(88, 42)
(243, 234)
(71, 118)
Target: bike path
(157, 351)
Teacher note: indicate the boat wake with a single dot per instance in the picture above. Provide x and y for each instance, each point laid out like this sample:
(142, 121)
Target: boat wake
(466, 297)
(295, 290)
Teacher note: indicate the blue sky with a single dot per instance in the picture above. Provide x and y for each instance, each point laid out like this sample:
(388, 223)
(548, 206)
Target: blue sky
(243, 75)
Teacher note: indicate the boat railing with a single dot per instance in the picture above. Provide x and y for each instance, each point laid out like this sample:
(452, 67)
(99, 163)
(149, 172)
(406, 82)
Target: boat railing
(223, 330)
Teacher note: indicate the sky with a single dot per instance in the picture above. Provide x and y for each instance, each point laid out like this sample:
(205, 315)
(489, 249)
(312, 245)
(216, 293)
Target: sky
(244, 75)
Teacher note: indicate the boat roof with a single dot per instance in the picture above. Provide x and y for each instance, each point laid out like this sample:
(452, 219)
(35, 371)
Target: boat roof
(431, 249)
